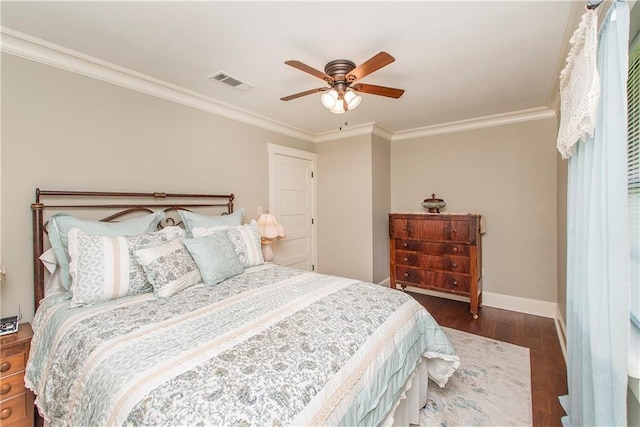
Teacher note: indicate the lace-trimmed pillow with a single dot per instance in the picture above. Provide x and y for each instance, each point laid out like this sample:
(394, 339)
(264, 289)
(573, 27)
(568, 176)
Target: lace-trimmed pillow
(104, 268)
(245, 239)
(192, 220)
(59, 225)
(170, 268)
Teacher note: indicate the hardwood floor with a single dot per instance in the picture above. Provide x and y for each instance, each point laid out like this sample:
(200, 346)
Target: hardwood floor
(548, 369)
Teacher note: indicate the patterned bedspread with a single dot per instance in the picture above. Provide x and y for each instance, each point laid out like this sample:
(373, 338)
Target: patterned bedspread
(273, 346)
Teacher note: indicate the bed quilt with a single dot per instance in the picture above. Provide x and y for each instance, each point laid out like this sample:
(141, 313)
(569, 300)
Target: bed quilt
(273, 346)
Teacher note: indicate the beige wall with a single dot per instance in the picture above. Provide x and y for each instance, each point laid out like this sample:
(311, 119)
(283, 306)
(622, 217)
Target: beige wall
(344, 207)
(64, 131)
(354, 193)
(506, 173)
(381, 193)
(147, 144)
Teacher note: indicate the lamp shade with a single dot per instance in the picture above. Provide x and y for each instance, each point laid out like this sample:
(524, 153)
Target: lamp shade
(353, 100)
(332, 101)
(329, 99)
(270, 228)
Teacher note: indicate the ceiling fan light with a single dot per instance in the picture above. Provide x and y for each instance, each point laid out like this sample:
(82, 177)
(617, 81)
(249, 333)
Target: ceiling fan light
(352, 99)
(329, 99)
(338, 108)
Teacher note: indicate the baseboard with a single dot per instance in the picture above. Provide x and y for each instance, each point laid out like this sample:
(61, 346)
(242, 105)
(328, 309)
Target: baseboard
(504, 302)
(519, 304)
(386, 282)
(561, 330)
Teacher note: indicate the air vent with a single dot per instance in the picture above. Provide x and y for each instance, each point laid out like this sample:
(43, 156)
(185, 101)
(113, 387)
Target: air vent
(230, 81)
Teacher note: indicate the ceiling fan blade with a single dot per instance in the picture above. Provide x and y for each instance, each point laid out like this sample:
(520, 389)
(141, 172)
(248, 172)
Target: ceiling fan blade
(307, 69)
(305, 93)
(378, 90)
(375, 63)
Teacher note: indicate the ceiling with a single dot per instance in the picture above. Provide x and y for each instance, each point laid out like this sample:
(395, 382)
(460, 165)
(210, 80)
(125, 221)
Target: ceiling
(456, 60)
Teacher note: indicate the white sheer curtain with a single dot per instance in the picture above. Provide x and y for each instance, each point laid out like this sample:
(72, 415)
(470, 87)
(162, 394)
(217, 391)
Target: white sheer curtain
(598, 246)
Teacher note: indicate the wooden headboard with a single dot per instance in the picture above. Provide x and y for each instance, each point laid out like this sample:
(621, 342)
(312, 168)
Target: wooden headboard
(117, 207)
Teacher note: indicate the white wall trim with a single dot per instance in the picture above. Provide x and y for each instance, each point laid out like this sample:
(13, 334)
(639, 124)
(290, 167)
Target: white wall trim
(47, 53)
(505, 302)
(274, 150)
(42, 51)
(522, 305)
(386, 282)
(363, 129)
(348, 132)
(291, 152)
(382, 132)
(520, 116)
(561, 330)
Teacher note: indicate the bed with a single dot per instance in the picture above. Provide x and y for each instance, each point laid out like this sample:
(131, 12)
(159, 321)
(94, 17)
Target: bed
(258, 345)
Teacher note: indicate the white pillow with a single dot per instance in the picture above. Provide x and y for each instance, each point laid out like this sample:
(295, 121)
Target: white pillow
(103, 267)
(170, 268)
(53, 283)
(245, 239)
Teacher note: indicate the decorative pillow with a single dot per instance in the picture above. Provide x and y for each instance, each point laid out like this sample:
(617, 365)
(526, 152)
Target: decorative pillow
(103, 267)
(245, 239)
(59, 225)
(192, 220)
(170, 268)
(53, 284)
(216, 257)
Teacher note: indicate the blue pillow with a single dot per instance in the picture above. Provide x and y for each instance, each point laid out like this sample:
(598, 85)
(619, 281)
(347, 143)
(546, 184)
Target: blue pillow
(192, 220)
(59, 225)
(215, 256)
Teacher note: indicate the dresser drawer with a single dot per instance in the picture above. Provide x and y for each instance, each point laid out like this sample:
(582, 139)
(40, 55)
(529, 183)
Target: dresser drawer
(434, 248)
(12, 364)
(14, 410)
(433, 262)
(12, 385)
(16, 401)
(448, 282)
(420, 229)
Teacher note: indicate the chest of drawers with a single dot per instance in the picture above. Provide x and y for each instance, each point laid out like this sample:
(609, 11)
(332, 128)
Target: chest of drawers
(438, 252)
(16, 401)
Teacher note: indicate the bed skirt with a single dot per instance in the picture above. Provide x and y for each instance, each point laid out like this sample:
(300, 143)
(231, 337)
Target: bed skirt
(412, 400)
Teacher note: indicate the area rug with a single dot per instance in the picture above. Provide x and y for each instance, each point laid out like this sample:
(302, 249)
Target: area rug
(492, 386)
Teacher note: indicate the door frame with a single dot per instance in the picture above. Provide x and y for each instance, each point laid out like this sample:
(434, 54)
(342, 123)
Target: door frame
(274, 150)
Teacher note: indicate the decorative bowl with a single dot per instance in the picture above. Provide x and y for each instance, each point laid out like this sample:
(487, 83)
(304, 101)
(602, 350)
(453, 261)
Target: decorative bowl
(433, 205)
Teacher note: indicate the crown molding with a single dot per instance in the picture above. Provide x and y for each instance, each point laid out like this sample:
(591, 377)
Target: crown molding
(351, 131)
(520, 116)
(382, 132)
(32, 48)
(44, 52)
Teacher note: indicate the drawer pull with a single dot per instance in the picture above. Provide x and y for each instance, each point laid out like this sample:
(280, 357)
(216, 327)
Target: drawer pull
(406, 275)
(6, 413)
(5, 366)
(455, 282)
(6, 388)
(405, 244)
(455, 230)
(454, 249)
(454, 265)
(405, 259)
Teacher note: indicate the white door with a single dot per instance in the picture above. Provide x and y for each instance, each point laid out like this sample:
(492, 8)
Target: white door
(291, 199)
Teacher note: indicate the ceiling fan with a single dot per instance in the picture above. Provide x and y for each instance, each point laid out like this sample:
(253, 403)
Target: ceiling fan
(341, 76)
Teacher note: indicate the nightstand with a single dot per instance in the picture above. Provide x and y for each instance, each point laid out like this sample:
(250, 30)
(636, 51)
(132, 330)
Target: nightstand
(16, 401)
